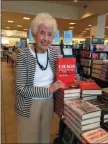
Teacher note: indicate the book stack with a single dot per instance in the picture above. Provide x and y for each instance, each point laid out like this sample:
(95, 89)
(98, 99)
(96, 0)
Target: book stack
(97, 136)
(104, 73)
(81, 115)
(90, 90)
(66, 70)
(65, 94)
(105, 95)
(104, 111)
(97, 68)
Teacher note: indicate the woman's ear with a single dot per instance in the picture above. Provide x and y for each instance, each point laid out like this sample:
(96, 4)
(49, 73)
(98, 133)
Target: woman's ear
(36, 37)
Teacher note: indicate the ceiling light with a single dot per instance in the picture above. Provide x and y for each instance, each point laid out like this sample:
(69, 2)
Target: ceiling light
(19, 25)
(72, 23)
(107, 13)
(75, 0)
(106, 26)
(87, 29)
(89, 25)
(8, 27)
(71, 27)
(84, 31)
(9, 21)
(26, 18)
(26, 29)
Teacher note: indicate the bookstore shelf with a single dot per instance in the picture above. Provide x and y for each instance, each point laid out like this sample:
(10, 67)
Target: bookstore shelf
(70, 120)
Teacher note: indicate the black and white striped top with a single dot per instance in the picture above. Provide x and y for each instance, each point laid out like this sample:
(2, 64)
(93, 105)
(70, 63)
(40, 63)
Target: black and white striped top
(25, 72)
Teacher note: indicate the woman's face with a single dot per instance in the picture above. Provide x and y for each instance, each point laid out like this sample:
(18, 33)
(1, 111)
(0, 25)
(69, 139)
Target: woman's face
(44, 37)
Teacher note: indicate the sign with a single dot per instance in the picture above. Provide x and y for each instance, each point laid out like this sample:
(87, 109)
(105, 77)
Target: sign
(17, 43)
(97, 41)
(14, 33)
(67, 37)
(31, 39)
(56, 39)
(67, 51)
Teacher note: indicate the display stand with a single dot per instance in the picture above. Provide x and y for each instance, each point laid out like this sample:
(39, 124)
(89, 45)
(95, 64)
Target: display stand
(62, 125)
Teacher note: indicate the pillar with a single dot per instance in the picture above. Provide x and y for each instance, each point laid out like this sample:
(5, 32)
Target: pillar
(98, 30)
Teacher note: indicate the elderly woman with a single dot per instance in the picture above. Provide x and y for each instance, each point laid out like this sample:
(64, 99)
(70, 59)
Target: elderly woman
(35, 83)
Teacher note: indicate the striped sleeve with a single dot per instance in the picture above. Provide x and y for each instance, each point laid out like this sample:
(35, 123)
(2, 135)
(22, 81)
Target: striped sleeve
(21, 81)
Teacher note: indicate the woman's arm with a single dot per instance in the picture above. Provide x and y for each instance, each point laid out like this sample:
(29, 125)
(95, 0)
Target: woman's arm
(21, 81)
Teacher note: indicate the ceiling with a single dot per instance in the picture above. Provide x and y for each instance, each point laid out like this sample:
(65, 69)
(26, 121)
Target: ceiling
(63, 24)
(78, 4)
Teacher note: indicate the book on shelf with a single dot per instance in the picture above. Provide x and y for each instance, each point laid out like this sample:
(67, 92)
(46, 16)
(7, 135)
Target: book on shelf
(95, 136)
(95, 56)
(97, 61)
(85, 62)
(96, 75)
(82, 108)
(85, 54)
(66, 70)
(97, 71)
(97, 66)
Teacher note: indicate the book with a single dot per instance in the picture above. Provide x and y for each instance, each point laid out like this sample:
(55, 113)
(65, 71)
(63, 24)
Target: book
(80, 121)
(105, 90)
(105, 142)
(95, 136)
(81, 128)
(89, 98)
(66, 70)
(96, 102)
(90, 87)
(70, 90)
(83, 109)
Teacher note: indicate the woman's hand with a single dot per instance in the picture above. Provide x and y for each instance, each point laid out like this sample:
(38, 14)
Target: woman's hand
(77, 80)
(55, 86)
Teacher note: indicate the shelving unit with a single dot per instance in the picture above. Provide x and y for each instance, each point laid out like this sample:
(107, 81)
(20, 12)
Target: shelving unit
(90, 52)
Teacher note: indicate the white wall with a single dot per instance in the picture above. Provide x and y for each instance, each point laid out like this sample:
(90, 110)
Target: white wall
(34, 7)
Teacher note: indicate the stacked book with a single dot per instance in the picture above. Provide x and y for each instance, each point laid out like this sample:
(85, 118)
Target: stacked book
(104, 111)
(90, 90)
(97, 136)
(65, 94)
(104, 73)
(81, 116)
(105, 95)
(97, 68)
(103, 105)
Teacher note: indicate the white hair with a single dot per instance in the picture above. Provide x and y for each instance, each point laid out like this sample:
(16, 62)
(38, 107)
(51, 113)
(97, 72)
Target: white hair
(43, 18)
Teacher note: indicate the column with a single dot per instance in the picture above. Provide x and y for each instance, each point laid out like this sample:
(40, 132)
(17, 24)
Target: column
(98, 30)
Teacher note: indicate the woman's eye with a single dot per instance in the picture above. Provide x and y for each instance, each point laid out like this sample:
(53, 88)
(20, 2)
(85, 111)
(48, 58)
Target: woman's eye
(41, 32)
(49, 34)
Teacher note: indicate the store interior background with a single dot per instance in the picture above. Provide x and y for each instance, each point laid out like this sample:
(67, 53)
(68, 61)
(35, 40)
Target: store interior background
(76, 16)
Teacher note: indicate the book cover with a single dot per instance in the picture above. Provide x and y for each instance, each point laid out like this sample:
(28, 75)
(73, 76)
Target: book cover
(97, 102)
(66, 70)
(95, 136)
(89, 85)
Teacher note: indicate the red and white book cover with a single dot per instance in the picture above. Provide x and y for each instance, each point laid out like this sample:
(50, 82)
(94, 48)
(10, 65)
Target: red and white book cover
(89, 85)
(95, 136)
(66, 70)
